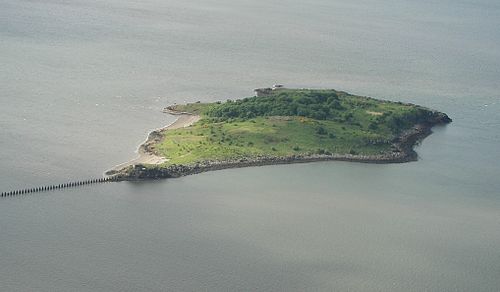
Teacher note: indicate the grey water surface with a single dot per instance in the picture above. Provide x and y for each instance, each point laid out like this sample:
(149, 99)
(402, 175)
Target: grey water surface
(83, 82)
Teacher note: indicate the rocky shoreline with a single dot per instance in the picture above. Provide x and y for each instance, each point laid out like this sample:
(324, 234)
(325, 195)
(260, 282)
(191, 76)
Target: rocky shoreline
(402, 152)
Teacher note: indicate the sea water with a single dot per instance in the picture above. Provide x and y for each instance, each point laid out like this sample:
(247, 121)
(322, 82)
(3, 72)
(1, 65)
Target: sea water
(83, 82)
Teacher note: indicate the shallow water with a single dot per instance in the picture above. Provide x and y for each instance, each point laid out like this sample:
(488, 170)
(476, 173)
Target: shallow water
(83, 82)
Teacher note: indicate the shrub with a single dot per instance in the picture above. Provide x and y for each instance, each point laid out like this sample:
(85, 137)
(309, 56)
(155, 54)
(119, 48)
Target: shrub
(321, 130)
(313, 104)
(373, 126)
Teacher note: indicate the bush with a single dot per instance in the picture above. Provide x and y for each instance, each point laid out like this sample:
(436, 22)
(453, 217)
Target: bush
(321, 130)
(373, 126)
(320, 105)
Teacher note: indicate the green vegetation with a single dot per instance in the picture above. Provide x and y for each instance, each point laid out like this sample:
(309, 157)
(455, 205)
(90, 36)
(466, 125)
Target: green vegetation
(289, 122)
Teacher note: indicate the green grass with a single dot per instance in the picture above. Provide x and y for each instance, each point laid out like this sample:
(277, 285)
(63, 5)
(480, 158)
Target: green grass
(194, 108)
(267, 135)
(346, 124)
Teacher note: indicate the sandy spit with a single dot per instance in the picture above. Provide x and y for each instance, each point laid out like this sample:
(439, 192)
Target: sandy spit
(147, 157)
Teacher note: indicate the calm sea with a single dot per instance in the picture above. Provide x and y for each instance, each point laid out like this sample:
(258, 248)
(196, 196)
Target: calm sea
(82, 82)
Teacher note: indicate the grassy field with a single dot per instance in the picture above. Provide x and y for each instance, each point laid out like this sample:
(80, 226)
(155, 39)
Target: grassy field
(289, 122)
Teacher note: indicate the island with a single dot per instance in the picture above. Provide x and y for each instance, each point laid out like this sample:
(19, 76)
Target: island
(279, 126)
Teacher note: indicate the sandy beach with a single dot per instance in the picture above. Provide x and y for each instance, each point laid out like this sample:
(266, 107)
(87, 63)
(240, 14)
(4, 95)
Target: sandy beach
(147, 157)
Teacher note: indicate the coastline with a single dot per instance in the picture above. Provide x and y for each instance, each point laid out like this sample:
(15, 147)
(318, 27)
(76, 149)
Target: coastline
(140, 169)
(145, 153)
